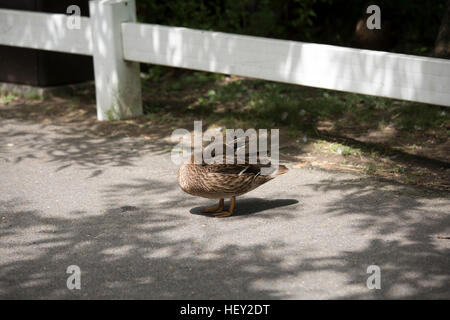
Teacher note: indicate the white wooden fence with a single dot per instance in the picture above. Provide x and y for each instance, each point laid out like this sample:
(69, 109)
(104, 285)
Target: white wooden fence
(118, 43)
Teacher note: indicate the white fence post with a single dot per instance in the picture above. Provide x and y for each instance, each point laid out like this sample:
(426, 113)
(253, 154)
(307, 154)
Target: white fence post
(117, 82)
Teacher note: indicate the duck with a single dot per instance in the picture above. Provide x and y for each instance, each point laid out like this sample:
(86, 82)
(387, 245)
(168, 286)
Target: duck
(224, 180)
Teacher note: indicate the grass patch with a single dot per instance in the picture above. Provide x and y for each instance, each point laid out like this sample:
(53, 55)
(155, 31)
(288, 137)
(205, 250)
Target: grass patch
(419, 117)
(299, 109)
(337, 148)
(7, 98)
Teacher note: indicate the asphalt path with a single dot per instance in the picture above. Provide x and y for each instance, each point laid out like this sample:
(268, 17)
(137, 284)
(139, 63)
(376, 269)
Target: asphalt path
(112, 207)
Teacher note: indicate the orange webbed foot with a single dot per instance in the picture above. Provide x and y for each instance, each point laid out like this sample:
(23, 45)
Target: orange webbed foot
(217, 208)
(223, 214)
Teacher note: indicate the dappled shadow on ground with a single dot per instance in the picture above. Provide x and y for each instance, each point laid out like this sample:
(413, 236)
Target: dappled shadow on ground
(126, 252)
(79, 136)
(409, 243)
(139, 250)
(83, 145)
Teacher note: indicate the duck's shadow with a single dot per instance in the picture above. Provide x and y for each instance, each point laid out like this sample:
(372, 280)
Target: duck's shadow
(248, 206)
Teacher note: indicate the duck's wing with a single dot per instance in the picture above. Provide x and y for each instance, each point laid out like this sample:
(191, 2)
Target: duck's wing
(235, 169)
(240, 151)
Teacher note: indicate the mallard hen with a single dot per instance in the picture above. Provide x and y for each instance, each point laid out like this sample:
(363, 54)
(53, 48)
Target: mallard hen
(220, 181)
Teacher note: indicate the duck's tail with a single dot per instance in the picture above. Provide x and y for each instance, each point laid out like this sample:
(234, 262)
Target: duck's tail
(281, 170)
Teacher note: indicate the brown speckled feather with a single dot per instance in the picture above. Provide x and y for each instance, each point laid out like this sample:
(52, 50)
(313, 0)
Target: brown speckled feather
(222, 180)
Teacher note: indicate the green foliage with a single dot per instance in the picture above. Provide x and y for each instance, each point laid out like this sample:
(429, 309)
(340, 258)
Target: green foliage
(338, 148)
(415, 116)
(281, 19)
(268, 104)
(415, 22)
(5, 99)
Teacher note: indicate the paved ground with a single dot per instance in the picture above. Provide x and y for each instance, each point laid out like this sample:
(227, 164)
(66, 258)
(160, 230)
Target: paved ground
(113, 208)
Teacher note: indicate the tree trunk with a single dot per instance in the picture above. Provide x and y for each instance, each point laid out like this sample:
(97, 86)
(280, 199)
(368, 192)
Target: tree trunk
(442, 46)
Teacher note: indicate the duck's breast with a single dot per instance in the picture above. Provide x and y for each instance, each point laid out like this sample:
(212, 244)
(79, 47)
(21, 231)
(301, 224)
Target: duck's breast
(191, 179)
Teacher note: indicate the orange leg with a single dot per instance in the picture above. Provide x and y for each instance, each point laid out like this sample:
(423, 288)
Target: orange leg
(217, 208)
(229, 212)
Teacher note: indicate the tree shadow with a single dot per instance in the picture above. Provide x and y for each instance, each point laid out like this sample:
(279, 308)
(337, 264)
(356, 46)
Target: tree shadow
(81, 144)
(136, 249)
(126, 253)
(408, 241)
(143, 243)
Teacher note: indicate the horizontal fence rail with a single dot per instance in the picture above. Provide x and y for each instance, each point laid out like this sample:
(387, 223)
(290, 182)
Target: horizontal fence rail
(385, 74)
(45, 31)
(118, 43)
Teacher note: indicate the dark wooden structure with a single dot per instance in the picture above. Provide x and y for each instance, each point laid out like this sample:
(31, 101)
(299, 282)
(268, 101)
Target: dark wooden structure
(38, 67)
